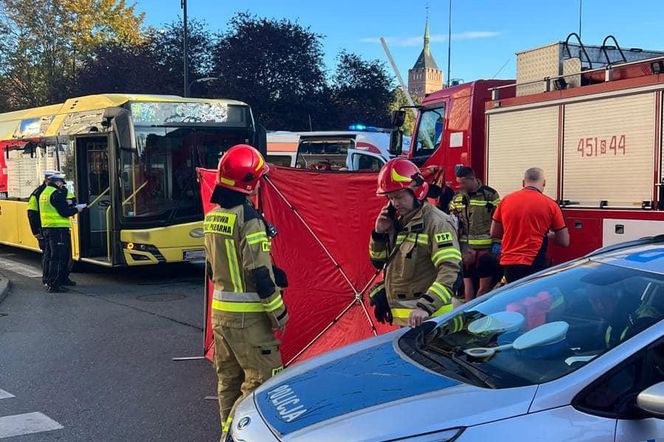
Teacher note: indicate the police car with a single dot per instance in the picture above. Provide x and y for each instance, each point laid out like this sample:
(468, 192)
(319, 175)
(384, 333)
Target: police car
(574, 353)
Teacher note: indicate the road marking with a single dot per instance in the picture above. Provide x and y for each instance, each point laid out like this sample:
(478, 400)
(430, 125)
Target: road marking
(28, 423)
(5, 394)
(20, 268)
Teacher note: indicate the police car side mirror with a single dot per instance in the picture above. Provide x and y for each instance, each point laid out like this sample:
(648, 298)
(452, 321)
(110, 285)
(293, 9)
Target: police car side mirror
(651, 400)
(260, 137)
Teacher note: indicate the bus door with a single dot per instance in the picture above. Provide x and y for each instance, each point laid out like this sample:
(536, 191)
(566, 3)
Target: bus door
(92, 159)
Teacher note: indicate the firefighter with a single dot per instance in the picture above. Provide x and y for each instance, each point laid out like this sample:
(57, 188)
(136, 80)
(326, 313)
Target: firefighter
(441, 193)
(54, 214)
(624, 315)
(417, 246)
(33, 218)
(247, 305)
(473, 206)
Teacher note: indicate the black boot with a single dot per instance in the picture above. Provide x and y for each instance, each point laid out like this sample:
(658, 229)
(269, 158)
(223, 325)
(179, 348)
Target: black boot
(56, 289)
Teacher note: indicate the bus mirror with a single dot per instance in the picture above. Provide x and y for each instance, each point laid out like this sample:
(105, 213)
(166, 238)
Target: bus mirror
(396, 142)
(398, 118)
(123, 126)
(260, 141)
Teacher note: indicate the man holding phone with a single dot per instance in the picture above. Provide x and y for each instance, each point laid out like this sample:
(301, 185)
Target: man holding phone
(417, 246)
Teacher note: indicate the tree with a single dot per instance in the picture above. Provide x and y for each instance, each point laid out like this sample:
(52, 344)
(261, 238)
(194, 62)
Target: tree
(362, 91)
(153, 66)
(166, 46)
(276, 66)
(399, 101)
(117, 68)
(45, 41)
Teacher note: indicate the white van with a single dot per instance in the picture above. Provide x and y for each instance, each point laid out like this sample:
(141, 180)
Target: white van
(329, 150)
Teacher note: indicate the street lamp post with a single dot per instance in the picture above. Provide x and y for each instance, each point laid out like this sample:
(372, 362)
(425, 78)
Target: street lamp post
(449, 45)
(185, 61)
(580, 15)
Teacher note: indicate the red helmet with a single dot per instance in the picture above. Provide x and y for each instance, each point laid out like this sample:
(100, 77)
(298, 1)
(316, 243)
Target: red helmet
(400, 173)
(240, 169)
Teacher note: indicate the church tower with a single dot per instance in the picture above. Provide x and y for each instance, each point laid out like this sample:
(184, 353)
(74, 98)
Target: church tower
(424, 77)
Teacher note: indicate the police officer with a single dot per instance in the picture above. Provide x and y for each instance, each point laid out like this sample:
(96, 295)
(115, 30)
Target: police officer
(247, 305)
(474, 206)
(35, 222)
(624, 314)
(54, 214)
(417, 246)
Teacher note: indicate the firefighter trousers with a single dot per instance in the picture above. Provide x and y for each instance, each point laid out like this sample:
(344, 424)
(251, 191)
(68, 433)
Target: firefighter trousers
(57, 253)
(244, 358)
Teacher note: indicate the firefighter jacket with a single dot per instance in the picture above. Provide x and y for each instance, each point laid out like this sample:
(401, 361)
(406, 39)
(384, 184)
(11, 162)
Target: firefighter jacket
(239, 263)
(474, 212)
(54, 212)
(423, 263)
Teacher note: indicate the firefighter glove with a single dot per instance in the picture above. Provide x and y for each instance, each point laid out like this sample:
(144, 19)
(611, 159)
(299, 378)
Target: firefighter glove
(279, 322)
(378, 300)
(496, 248)
(280, 277)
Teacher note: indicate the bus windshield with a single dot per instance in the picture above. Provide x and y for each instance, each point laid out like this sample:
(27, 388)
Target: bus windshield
(158, 177)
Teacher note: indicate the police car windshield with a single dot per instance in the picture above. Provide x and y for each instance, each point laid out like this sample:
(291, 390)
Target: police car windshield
(565, 318)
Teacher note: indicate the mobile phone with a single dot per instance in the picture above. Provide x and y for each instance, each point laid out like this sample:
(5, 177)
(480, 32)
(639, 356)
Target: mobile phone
(391, 211)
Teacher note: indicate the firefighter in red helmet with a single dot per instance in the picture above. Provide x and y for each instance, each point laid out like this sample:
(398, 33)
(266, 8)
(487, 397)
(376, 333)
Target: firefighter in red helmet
(247, 306)
(416, 244)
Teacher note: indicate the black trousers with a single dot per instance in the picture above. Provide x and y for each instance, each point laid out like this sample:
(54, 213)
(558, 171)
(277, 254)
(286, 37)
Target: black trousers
(520, 271)
(45, 262)
(57, 255)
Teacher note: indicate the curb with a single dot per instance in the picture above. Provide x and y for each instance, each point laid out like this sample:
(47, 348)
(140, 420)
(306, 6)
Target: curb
(4, 287)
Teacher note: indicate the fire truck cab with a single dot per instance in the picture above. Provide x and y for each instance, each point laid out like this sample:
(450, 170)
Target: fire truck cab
(589, 116)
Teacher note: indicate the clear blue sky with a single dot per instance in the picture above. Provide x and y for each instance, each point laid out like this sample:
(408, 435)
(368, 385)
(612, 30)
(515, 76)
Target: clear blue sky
(485, 33)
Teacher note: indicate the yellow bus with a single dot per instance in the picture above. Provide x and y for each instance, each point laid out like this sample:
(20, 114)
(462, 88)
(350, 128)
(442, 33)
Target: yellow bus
(133, 159)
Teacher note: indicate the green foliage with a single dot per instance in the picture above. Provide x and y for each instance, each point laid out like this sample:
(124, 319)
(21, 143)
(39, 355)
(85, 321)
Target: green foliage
(51, 50)
(45, 41)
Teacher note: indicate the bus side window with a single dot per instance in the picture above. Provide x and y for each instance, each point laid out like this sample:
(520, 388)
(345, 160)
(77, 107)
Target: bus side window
(64, 154)
(24, 170)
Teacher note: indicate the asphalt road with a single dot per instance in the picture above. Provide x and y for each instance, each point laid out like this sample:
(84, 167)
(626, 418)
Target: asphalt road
(95, 364)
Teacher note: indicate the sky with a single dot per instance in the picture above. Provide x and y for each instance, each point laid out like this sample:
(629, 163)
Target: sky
(486, 34)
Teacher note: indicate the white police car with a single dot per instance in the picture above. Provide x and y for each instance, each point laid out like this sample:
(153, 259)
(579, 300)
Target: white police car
(575, 353)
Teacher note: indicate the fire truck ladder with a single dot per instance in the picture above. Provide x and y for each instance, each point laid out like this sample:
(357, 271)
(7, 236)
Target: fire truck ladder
(581, 51)
(616, 47)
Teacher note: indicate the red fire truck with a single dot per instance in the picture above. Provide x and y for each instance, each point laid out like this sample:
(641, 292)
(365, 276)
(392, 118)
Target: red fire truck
(590, 116)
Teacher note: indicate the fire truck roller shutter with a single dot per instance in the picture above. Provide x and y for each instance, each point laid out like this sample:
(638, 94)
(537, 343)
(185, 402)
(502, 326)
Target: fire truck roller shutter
(519, 140)
(609, 150)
